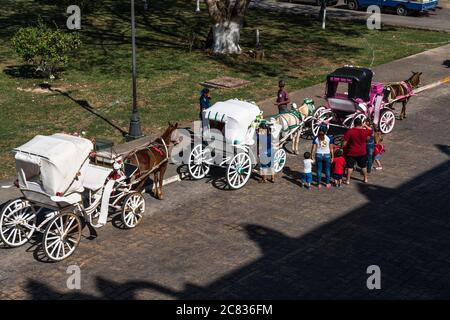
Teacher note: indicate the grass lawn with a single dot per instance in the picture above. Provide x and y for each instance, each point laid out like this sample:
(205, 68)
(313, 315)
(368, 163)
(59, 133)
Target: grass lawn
(98, 77)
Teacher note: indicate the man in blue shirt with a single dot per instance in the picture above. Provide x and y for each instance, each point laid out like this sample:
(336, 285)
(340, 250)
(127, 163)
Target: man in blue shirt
(205, 102)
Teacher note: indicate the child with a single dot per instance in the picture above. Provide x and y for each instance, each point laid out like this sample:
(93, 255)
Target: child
(339, 165)
(378, 151)
(307, 170)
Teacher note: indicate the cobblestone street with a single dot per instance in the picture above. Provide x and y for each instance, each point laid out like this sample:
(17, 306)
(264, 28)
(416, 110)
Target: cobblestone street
(275, 240)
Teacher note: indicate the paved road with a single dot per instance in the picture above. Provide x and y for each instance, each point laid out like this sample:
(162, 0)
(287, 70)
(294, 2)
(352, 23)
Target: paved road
(433, 20)
(276, 240)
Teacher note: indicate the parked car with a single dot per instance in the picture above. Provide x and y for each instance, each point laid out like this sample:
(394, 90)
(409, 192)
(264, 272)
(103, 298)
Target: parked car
(402, 7)
(316, 2)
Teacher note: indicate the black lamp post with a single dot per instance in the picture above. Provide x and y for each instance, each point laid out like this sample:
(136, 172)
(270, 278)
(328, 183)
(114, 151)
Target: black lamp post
(135, 124)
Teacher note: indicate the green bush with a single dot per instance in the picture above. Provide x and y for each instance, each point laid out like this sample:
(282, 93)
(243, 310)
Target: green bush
(45, 48)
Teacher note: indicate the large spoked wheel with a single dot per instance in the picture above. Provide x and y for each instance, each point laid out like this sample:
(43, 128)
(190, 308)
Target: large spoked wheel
(352, 4)
(239, 170)
(197, 166)
(279, 160)
(133, 209)
(62, 236)
(321, 116)
(358, 116)
(387, 121)
(17, 223)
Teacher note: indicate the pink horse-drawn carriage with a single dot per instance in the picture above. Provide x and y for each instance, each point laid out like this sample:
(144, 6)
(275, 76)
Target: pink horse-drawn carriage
(350, 95)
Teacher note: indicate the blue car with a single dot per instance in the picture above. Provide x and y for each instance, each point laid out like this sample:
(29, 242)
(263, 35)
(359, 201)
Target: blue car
(402, 7)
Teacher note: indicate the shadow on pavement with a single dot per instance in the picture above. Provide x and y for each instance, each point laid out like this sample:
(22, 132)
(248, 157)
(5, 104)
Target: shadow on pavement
(405, 231)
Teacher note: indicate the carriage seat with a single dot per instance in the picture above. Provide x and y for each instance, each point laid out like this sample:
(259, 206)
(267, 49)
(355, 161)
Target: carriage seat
(342, 105)
(95, 177)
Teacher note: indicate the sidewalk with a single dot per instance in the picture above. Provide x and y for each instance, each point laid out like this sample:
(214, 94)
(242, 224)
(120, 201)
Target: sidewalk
(430, 62)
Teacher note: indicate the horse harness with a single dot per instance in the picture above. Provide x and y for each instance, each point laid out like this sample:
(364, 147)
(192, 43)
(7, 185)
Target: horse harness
(406, 85)
(153, 147)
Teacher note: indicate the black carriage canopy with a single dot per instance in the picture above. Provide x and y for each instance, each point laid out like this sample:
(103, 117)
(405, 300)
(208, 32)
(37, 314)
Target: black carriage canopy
(358, 79)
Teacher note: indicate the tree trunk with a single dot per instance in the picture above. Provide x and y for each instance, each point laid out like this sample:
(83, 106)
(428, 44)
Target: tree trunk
(227, 17)
(226, 37)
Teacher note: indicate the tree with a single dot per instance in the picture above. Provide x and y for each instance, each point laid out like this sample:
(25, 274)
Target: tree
(228, 18)
(45, 48)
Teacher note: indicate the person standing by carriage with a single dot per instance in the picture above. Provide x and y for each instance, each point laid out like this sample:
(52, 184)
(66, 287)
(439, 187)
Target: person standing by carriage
(266, 149)
(282, 98)
(205, 102)
(355, 145)
(323, 153)
(370, 146)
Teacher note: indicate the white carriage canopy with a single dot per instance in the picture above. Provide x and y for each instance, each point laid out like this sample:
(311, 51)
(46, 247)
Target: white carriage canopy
(50, 164)
(237, 115)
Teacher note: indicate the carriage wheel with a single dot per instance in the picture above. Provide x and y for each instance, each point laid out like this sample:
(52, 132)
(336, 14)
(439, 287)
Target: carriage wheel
(321, 116)
(197, 166)
(387, 121)
(133, 209)
(279, 160)
(17, 223)
(358, 116)
(239, 170)
(62, 236)
(319, 111)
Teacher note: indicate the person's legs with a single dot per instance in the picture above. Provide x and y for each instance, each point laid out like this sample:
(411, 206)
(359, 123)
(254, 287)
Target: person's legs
(350, 166)
(283, 109)
(327, 163)
(319, 160)
(370, 147)
(377, 161)
(308, 179)
(362, 163)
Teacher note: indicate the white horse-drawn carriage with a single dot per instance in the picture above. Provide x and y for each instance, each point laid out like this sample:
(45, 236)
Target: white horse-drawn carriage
(230, 140)
(62, 191)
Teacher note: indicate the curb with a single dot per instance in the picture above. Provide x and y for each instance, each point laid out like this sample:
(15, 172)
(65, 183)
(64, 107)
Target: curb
(432, 85)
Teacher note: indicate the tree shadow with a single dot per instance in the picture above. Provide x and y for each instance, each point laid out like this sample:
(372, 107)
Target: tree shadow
(83, 104)
(23, 71)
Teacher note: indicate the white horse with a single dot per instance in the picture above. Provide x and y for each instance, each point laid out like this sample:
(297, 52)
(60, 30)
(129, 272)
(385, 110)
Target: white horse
(293, 123)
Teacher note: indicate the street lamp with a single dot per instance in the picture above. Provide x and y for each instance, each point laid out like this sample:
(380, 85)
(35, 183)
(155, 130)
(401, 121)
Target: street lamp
(135, 124)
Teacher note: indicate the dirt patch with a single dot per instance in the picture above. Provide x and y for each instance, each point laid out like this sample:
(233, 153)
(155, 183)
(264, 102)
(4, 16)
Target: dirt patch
(225, 82)
(46, 88)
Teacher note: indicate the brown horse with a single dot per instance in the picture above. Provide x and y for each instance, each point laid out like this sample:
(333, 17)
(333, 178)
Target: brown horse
(154, 157)
(404, 88)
